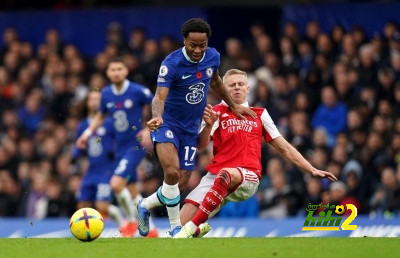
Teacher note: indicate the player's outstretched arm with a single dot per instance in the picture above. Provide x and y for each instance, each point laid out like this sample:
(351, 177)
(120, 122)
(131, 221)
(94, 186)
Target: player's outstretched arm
(209, 117)
(96, 122)
(289, 152)
(157, 108)
(239, 110)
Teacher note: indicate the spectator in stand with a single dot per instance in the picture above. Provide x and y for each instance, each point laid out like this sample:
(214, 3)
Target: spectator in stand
(389, 29)
(289, 59)
(32, 113)
(53, 41)
(167, 45)
(394, 60)
(331, 114)
(386, 79)
(337, 34)
(312, 32)
(345, 92)
(338, 195)
(115, 37)
(314, 191)
(151, 61)
(352, 175)
(10, 35)
(291, 31)
(306, 57)
(349, 51)
(136, 41)
(233, 49)
(386, 199)
(368, 69)
(358, 34)
(325, 46)
(277, 201)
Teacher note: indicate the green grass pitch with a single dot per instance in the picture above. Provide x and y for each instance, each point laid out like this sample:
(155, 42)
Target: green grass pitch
(206, 247)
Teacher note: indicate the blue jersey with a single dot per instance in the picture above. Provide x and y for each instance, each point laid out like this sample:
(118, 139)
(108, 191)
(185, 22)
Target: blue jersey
(188, 87)
(126, 108)
(100, 147)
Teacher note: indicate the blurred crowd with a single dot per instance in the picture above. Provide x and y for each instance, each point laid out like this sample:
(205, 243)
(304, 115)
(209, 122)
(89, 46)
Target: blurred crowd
(334, 95)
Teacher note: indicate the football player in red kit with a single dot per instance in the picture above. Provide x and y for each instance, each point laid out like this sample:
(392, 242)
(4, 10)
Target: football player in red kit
(235, 170)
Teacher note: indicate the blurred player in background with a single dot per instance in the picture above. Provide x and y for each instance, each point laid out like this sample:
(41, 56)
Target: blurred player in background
(95, 187)
(126, 102)
(235, 170)
(177, 107)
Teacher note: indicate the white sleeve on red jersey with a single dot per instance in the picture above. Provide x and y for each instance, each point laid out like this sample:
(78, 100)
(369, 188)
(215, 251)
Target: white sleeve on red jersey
(269, 126)
(215, 126)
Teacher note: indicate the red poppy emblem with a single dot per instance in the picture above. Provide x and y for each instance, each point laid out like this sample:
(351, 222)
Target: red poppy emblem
(199, 75)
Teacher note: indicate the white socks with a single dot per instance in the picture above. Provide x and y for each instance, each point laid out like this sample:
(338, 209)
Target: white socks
(136, 200)
(171, 192)
(125, 201)
(151, 202)
(115, 213)
(191, 226)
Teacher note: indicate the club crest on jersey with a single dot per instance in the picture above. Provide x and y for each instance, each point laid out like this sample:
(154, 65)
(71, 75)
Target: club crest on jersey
(169, 134)
(197, 93)
(163, 70)
(209, 71)
(128, 103)
(101, 131)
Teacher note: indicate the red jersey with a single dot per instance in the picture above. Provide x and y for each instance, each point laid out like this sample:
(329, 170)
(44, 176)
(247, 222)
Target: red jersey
(237, 143)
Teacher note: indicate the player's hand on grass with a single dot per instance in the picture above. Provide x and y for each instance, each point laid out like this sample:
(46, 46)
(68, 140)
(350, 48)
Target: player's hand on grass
(154, 123)
(240, 110)
(210, 116)
(326, 174)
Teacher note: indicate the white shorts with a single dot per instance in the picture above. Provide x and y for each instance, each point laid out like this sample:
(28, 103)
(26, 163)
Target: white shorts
(246, 189)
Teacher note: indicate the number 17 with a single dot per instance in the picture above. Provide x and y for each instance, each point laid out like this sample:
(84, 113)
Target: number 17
(187, 149)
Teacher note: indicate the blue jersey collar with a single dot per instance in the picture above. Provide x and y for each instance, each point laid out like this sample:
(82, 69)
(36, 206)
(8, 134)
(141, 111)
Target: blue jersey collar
(188, 58)
(124, 88)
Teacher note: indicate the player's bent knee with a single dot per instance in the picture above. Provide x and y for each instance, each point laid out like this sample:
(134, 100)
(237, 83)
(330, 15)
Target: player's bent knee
(232, 175)
(223, 177)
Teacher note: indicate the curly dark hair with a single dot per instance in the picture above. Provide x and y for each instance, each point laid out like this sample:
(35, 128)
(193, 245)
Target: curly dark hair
(196, 25)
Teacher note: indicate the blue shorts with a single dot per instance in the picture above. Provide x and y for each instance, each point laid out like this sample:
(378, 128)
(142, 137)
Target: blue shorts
(186, 144)
(95, 188)
(127, 163)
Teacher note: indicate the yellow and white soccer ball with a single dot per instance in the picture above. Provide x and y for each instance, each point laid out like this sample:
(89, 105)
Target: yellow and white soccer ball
(86, 224)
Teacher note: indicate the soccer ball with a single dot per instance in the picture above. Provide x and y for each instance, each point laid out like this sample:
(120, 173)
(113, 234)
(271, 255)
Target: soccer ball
(340, 210)
(86, 224)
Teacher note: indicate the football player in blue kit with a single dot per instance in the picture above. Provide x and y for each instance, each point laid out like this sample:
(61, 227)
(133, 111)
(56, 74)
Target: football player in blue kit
(125, 102)
(95, 187)
(177, 109)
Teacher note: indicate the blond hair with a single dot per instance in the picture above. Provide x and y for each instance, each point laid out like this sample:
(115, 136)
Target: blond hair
(232, 72)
